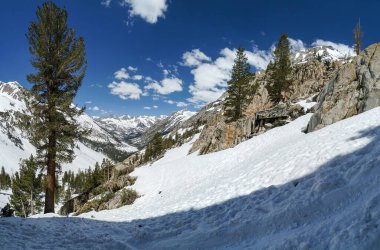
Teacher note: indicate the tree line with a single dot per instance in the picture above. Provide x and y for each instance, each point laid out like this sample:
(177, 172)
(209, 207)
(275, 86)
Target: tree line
(5, 179)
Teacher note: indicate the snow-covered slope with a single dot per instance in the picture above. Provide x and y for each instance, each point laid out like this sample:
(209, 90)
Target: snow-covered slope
(14, 144)
(126, 127)
(326, 53)
(164, 126)
(280, 190)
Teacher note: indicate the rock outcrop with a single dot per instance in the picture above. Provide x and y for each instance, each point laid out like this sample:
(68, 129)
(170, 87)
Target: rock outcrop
(309, 78)
(355, 88)
(109, 195)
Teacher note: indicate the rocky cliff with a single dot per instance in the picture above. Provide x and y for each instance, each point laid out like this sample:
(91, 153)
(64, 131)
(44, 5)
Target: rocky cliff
(309, 78)
(355, 88)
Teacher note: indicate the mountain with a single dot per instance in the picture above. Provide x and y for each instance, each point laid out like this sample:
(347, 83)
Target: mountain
(126, 128)
(164, 126)
(279, 190)
(324, 53)
(15, 144)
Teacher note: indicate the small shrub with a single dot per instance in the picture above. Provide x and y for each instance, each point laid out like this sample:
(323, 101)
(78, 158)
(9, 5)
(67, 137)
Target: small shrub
(128, 196)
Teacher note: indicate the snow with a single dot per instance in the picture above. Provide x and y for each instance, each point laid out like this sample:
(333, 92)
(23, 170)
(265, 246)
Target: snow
(4, 197)
(306, 104)
(280, 190)
(85, 157)
(10, 155)
(180, 117)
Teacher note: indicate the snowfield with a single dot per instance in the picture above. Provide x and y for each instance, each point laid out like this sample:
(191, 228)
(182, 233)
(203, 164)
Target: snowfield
(279, 190)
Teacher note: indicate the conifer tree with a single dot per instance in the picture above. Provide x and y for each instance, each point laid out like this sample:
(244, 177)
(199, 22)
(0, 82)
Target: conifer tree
(5, 179)
(358, 34)
(239, 89)
(279, 71)
(26, 189)
(59, 59)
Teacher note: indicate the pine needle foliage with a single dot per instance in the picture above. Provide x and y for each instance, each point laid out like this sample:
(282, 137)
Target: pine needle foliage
(239, 89)
(59, 60)
(27, 186)
(279, 71)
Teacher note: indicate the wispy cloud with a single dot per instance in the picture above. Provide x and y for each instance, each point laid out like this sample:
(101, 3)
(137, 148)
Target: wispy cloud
(178, 104)
(106, 3)
(133, 69)
(95, 108)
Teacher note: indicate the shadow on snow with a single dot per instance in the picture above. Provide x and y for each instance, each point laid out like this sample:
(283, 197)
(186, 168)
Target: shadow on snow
(336, 207)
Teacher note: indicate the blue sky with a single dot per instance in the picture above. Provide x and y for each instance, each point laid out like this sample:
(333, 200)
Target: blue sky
(152, 57)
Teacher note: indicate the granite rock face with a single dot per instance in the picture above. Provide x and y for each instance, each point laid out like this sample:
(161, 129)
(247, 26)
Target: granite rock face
(354, 89)
(309, 79)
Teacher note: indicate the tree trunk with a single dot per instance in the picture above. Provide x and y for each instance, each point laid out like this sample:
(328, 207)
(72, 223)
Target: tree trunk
(31, 203)
(50, 181)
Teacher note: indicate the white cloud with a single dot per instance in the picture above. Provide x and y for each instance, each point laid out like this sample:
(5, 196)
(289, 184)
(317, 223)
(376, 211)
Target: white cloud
(181, 104)
(95, 108)
(166, 86)
(204, 95)
(296, 44)
(125, 90)
(210, 77)
(178, 104)
(160, 64)
(88, 102)
(149, 10)
(106, 3)
(137, 77)
(149, 108)
(121, 74)
(342, 48)
(133, 69)
(194, 58)
(96, 85)
(148, 79)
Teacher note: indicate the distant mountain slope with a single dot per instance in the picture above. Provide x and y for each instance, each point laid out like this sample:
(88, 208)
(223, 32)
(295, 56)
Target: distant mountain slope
(126, 128)
(14, 144)
(324, 53)
(164, 126)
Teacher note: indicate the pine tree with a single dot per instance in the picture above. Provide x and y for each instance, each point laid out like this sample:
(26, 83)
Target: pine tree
(279, 71)
(358, 34)
(239, 89)
(26, 189)
(5, 179)
(59, 59)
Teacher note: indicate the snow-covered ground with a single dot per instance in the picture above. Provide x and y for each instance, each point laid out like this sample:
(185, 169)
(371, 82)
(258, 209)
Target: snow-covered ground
(280, 190)
(4, 197)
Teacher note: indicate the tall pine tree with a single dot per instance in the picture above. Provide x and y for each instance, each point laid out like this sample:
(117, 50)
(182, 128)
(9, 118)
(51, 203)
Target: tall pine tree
(59, 59)
(279, 71)
(239, 89)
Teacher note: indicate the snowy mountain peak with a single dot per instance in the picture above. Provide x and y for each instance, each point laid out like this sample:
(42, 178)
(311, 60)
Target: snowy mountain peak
(12, 89)
(326, 53)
